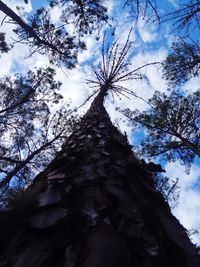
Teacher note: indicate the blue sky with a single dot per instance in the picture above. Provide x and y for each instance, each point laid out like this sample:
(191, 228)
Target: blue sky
(151, 44)
(38, 4)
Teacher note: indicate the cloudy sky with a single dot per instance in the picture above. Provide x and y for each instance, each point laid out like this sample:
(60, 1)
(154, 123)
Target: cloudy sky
(151, 44)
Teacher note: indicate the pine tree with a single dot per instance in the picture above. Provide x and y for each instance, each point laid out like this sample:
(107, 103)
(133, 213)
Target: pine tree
(172, 123)
(95, 205)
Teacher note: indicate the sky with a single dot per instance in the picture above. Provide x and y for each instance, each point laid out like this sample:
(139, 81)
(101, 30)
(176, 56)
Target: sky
(151, 44)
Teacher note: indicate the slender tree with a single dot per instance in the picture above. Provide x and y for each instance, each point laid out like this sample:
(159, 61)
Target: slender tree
(95, 204)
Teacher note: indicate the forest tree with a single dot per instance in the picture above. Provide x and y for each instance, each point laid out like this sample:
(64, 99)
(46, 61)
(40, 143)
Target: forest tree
(96, 203)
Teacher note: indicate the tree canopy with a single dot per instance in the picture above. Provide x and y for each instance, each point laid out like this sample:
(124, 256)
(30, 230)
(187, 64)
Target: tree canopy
(183, 63)
(30, 133)
(173, 126)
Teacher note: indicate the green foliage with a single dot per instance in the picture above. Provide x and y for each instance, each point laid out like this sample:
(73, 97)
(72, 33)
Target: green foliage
(183, 63)
(172, 126)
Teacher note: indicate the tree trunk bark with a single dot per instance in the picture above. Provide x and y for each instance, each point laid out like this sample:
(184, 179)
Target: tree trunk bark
(94, 206)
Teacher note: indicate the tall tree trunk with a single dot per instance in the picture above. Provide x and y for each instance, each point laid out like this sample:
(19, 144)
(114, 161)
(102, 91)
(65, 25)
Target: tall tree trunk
(94, 206)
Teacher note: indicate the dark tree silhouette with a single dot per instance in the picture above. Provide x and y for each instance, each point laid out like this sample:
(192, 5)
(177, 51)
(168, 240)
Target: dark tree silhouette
(186, 16)
(95, 204)
(183, 63)
(4, 48)
(29, 132)
(147, 9)
(87, 16)
(173, 126)
(45, 37)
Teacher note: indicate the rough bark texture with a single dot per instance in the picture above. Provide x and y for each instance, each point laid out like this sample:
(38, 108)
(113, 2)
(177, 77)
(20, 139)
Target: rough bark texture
(94, 206)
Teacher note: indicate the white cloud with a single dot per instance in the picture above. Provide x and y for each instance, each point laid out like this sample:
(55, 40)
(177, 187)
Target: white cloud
(16, 57)
(192, 85)
(93, 48)
(55, 14)
(147, 31)
(111, 4)
(188, 209)
(145, 89)
(173, 2)
(73, 85)
(122, 28)
(19, 3)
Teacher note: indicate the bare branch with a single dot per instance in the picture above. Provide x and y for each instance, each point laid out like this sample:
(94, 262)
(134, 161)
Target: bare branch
(114, 68)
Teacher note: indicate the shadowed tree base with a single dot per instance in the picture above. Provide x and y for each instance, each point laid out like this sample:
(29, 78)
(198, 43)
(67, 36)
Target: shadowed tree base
(94, 206)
